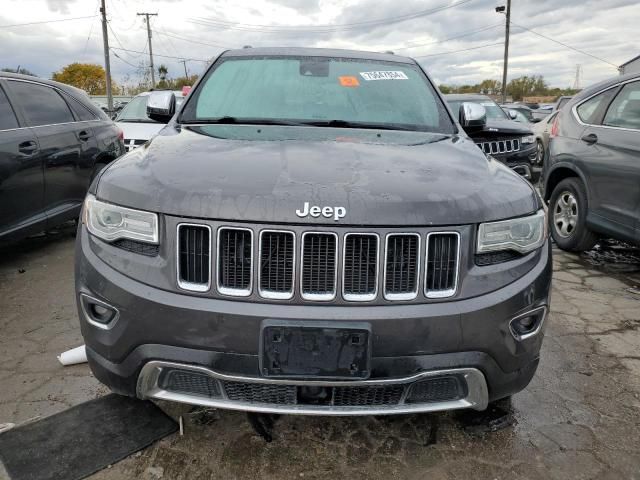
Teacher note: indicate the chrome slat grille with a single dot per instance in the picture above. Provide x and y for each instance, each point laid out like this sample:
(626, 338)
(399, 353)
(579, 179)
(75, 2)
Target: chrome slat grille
(442, 264)
(194, 257)
(402, 266)
(277, 260)
(360, 267)
(235, 255)
(500, 146)
(319, 265)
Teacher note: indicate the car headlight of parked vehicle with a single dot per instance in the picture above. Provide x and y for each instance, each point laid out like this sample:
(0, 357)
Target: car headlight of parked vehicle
(529, 139)
(111, 222)
(523, 234)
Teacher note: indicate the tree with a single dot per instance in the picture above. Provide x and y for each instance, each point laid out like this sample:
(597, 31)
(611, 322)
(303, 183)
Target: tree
(20, 70)
(490, 87)
(87, 76)
(527, 86)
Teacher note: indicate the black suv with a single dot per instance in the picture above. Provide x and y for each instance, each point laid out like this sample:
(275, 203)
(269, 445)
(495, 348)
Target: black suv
(313, 233)
(53, 141)
(501, 137)
(592, 175)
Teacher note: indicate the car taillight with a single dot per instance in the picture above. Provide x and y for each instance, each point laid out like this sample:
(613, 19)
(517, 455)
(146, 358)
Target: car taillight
(554, 127)
(120, 135)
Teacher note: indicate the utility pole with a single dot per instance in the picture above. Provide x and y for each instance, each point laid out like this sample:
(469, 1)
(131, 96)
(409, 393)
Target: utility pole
(184, 62)
(506, 47)
(153, 74)
(107, 63)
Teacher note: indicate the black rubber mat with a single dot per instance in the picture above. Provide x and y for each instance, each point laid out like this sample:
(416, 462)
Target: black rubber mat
(83, 439)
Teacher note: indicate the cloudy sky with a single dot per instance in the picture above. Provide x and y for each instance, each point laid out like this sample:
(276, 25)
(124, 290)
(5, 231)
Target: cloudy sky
(460, 43)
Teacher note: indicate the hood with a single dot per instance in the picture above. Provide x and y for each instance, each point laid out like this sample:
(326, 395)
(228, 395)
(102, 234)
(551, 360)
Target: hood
(139, 130)
(264, 174)
(506, 126)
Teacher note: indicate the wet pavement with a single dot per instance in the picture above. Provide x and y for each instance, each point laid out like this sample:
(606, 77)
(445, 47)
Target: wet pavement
(578, 419)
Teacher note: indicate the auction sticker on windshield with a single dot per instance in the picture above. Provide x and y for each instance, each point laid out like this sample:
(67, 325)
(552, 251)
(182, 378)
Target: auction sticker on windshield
(385, 75)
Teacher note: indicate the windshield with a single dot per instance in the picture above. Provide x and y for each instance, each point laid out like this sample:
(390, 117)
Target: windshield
(135, 111)
(318, 91)
(493, 109)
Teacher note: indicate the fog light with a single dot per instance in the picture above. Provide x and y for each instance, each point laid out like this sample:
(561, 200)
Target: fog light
(528, 324)
(98, 313)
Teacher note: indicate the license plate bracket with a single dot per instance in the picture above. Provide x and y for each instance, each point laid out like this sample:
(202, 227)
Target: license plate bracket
(316, 350)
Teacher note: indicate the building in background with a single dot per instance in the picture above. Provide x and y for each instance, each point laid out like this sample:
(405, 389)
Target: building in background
(632, 66)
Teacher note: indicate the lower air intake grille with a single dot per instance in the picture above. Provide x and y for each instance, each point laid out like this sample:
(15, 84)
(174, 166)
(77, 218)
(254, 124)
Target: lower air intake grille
(401, 268)
(134, 246)
(439, 389)
(360, 276)
(194, 257)
(184, 381)
(373, 395)
(276, 264)
(442, 264)
(235, 249)
(260, 393)
(319, 266)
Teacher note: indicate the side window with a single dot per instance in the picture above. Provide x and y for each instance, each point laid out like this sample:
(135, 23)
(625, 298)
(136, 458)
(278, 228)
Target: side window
(7, 116)
(624, 111)
(80, 110)
(590, 111)
(41, 105)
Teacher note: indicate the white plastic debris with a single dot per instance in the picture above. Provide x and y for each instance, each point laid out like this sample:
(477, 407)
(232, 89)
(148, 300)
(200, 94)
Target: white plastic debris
(5, 427)
(73, 356)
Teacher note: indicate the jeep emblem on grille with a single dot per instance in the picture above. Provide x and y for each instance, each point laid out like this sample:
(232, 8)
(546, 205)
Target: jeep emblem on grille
(336, 212)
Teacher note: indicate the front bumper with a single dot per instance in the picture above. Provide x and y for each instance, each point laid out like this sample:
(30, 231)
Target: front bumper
(159, 330)
(522, 161)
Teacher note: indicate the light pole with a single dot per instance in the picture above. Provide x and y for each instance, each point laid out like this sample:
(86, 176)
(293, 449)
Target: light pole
(507, 10)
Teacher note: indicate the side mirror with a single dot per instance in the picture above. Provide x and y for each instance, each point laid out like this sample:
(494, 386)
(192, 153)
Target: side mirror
(472, 116)
(536, 120)
(161, 106)
(512, 114)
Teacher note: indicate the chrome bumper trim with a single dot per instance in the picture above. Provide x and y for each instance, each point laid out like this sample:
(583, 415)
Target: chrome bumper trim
(477, 397)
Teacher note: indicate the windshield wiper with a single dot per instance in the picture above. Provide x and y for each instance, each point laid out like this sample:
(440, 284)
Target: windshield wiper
(365, 125)
(228, 120)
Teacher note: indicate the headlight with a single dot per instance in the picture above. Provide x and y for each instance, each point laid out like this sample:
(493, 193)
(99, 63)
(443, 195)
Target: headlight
(111, 222)
(522, 234)
(528, 139)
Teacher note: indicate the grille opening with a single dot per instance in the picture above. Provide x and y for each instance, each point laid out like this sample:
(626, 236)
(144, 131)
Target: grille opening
(442, 264)
(500, 146)
(373, 395)
(193, 383)
(135, 246)
(194, 257)
(277, 264)
(235, 250)
(319, 266)
(401, 267)
(440, 389)
(360, 272)
(260, 393)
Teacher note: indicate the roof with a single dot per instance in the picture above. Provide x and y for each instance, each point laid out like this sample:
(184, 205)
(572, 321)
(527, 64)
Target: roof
(317, 52)
(62, 86)
(604, 84)
(466, 96)
(629, 61)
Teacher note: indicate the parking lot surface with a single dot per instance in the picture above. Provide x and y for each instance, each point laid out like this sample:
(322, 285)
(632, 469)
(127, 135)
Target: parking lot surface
(578, 419)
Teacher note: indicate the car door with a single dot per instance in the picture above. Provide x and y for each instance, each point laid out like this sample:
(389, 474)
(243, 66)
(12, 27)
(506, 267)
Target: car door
(64, 145)
(622, 124)
(21, 173)
(611, 157)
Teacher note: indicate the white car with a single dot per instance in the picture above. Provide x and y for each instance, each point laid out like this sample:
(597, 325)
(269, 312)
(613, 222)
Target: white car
(133, 120)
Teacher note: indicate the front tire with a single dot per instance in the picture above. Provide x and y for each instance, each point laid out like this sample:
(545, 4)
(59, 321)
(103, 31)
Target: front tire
(567, 216)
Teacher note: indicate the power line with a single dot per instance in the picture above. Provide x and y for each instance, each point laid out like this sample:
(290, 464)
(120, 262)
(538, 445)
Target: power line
(458, 51)
(224, 24)
(159, 55)
(564, 45)
(47, 21)
(464, 34)
(123, 60)
(187, 39)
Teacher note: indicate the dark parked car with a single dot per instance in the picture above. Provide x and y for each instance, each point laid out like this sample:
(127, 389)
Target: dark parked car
(592, 176)
(53, 141)
(502, 137)
(319, 238)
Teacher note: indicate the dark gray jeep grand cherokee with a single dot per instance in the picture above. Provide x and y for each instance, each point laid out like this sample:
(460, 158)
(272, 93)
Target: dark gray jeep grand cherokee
(313, 233)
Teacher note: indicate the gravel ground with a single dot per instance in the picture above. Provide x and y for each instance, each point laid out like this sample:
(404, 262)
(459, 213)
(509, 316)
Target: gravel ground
(579, 418)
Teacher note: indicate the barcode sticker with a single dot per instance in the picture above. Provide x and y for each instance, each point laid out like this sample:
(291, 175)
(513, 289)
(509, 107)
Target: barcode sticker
(384, 75)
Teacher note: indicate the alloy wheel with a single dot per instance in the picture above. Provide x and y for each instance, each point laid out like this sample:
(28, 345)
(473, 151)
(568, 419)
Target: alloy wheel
(565, 214)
